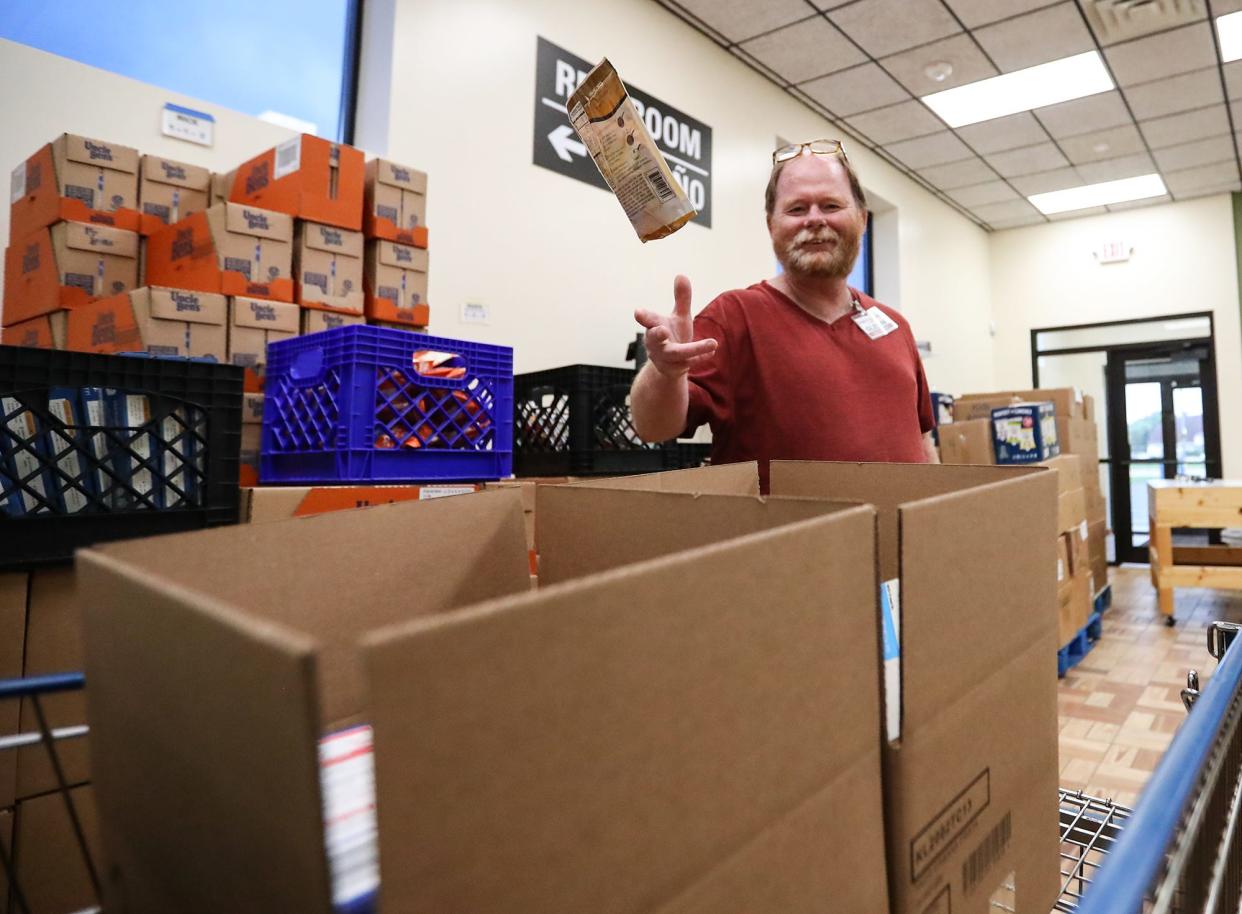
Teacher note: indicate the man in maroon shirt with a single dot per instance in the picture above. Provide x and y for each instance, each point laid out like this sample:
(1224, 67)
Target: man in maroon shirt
(800, 366)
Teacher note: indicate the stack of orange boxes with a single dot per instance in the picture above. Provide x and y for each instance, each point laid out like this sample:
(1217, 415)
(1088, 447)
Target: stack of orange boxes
(72, 235)
(396, 251)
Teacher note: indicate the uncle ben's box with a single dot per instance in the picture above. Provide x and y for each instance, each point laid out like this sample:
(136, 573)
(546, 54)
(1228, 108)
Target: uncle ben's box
(396, 203)
(77, 179)
(230, 249)
(307, 177)
(67, 264)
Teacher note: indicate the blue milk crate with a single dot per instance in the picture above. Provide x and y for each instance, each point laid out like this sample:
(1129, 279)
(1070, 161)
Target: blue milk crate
(346, 405)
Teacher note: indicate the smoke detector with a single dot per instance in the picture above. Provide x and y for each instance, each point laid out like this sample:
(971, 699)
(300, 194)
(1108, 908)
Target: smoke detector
(1121, 20)
(938, 71)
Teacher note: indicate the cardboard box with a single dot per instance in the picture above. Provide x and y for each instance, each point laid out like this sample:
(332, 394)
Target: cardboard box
(221, 184)
(252, 324)
(13, 591)
(1065, 563)
(49, 864)
(316, 321)
(230, 249)
(395, 280)
(706, 761)
(1068, 402)
(327, 268)
(169, 191)
(1082, 602)
(395, 203)
(75, 179)
(307, 177)
(251, 445)
(266, 504)
(421, 313)
(1079, 436)
(66, 265)
(252, 409)
(1088, 407)
(1025, 433)
(1071, 511)
(48, 331)
(527, 487)
(53, 645)
(967, 442)
(1069, 472)
(1097, 507)
(169, 322)
(1097, 551)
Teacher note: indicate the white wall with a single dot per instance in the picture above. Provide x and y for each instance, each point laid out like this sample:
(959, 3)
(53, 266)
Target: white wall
(45, 95)
(554, 259)
(1184, 260)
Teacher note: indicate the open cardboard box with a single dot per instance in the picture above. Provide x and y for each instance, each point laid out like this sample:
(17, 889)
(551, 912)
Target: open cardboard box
(693, 732)
(970, 785)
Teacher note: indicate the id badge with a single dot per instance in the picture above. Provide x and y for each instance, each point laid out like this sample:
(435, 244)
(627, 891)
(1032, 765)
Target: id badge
(874, 322)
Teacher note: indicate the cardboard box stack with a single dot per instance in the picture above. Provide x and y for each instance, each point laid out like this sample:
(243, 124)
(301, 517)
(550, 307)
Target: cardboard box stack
(397, 240)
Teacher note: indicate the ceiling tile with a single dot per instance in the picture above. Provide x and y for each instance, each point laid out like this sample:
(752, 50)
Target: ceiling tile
(805, 50)
(969, 65)
(1027, 161)
(1002, 224)
(1220, 7)
(1205, 176)
(1184, 127)
(854, 90)
(896, 122)
(979, 194)
(1178, 93)
(1046, 181)
(1139, 204)
(1166, 54)
(927, 151)
(1035, 38)
(1116, 169)
(681, 13)
(1078, 213)
(871, 24)
(959, 174)
(1010, 209)
(1233, 78)
(980, 12)
(1003, 133)
(738, 20)
(1211, 190)
(750, 61)
(1083, 115)
(1200, 152)
(1102, 144)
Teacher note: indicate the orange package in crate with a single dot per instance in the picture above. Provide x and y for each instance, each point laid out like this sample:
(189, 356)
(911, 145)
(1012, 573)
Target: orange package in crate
(66, 265)
(413, 423)
(76, 179)
(229, 248)
(307, 177)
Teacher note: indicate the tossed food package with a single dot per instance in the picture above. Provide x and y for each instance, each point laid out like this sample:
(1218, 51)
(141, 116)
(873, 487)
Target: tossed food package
(626, 155)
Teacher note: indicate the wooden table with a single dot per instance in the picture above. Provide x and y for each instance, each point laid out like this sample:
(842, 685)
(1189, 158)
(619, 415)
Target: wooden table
(1177, 503)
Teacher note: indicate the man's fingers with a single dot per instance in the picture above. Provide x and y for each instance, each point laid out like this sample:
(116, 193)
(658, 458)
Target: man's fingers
(648, 319)
(681, 296)
(683, 352)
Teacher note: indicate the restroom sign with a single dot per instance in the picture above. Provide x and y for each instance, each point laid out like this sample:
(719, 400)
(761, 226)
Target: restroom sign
(685, 141)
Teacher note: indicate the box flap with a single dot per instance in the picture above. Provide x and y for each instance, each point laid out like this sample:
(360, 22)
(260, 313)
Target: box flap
(721, 479)
(392, 254)
(583, 531)
(194, 307)
(262, 314)
(1069, 472)
(179, 174)
(387, 172)
(100, 239)
(99, 153)
(245, 735)
(667, 737)
(262, 223)
(339, 241)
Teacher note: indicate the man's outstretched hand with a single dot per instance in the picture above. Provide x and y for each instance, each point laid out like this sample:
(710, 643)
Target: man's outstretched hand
(671, 347)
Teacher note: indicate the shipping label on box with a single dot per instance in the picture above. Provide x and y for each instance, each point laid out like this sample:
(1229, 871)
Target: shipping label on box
(67, 265)
(396, 203)
(78, 179)
(307, 177)
(229, 248)
(1025, 433)
(169, 191)
(328, 267)
(396, 282)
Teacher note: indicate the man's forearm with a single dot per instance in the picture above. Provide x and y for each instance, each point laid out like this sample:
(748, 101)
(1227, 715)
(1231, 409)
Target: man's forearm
(929, 449)
(659, 404)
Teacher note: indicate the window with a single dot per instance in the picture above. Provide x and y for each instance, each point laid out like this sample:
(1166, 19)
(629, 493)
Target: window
(288, 61)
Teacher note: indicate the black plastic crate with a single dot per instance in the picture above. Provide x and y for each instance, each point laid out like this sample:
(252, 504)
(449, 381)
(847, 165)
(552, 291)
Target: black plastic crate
(684, 455)
(575, 421)
(102, 447)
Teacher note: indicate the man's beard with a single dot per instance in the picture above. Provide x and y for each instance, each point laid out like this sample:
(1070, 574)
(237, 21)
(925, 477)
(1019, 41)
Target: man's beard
(832, 263)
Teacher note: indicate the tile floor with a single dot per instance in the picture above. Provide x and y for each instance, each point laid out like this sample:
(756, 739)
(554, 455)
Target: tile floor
(1121, 705)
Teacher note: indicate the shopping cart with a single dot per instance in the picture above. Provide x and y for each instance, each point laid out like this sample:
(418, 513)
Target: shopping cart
(34, 689)
(1179, 849)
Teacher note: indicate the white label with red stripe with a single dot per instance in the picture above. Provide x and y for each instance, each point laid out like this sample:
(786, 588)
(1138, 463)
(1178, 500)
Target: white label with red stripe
(347, 777)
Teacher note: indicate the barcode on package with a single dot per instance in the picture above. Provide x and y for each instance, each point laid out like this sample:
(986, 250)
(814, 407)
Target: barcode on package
(660, 185)
(988, 852)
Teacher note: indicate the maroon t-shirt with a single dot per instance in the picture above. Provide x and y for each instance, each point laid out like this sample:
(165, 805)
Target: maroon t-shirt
(784, 385)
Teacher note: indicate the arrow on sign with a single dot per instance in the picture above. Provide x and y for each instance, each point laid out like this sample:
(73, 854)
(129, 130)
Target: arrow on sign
(563, 145)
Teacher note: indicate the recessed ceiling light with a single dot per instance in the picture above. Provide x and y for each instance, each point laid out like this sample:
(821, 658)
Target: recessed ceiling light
(1229, 28)
(1100, 147)
(938, 71)
(1022, 90)
(1062, 201)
